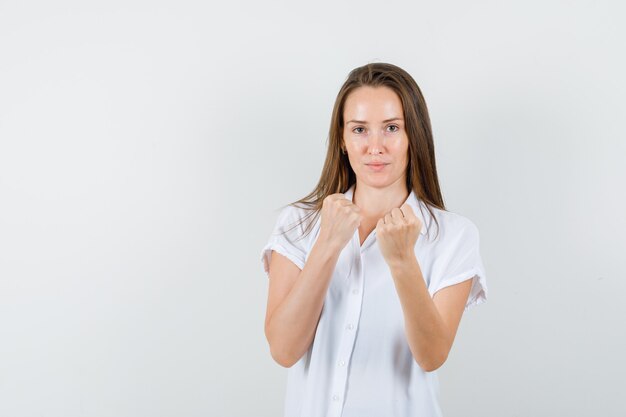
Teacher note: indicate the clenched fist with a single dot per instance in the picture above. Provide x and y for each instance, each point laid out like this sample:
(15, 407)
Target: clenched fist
(340, 218)
(397, 233)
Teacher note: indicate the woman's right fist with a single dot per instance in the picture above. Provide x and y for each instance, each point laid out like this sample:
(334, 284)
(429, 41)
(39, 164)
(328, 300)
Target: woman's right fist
(340, 218)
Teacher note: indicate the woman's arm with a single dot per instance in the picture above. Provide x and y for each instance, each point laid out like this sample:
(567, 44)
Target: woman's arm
(430, 324)
(295, 301)
(296, 298)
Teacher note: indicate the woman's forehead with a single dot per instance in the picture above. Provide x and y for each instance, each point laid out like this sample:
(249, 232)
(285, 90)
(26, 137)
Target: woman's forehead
(372, 104)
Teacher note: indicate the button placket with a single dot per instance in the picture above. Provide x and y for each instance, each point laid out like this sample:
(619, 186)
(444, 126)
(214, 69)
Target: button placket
(353, 313)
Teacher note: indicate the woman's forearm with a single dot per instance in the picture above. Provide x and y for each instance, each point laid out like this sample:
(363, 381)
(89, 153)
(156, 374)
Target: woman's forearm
(427, 334)
(291, 327)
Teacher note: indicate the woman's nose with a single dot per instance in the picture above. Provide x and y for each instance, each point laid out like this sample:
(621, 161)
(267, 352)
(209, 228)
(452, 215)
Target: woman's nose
(375, 144)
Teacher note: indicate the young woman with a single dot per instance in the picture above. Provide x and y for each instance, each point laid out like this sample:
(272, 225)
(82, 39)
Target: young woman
(364, 297)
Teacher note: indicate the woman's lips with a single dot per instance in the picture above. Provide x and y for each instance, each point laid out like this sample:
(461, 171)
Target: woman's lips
(376, 167)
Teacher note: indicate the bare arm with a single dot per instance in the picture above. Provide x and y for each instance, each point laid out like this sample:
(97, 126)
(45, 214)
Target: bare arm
(296, 298)
(430, 324)
(295, 301)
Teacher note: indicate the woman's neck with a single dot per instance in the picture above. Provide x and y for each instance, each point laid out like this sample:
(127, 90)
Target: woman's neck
(376, 202)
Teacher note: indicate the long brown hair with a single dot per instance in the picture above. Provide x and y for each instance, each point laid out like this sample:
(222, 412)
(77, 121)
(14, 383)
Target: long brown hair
(421, 174)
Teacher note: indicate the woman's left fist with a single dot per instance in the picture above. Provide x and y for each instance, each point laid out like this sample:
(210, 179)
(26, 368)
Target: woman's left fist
(397, 233)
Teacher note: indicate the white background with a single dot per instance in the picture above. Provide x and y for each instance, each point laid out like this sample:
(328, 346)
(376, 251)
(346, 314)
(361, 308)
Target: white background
(145, 148)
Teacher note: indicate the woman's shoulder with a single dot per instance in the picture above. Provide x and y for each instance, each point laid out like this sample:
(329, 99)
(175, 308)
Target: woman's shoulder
(451, 223)
(294, 219)
(294, 212)
(453, 218)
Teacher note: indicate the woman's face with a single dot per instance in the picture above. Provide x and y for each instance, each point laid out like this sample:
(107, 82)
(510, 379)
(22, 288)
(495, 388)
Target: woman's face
(374, 136)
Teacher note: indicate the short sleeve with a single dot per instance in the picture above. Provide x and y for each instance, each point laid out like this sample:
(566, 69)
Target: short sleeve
(460, 260)
(286, 239)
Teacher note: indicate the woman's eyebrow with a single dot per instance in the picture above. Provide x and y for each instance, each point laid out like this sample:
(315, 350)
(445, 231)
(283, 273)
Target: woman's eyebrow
(364, 122)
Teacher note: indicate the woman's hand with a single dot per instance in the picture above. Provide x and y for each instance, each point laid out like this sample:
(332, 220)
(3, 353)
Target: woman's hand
(397, 233)
(340, 219)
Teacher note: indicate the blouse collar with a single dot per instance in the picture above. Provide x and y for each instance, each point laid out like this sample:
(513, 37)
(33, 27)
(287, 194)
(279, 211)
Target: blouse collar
(411, 200)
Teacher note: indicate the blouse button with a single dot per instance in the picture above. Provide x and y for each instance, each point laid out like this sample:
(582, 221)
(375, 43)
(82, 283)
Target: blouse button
(349, 327)
(341, 363)
(335, 397)
(355, 291)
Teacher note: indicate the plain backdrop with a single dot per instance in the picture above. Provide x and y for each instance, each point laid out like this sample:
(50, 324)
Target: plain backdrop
(146, 147)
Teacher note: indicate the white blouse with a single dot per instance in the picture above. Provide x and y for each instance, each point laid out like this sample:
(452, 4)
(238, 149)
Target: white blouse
(359, 364)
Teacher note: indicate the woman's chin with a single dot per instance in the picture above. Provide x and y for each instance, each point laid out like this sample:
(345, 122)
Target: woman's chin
(379, 179)
(375, 181)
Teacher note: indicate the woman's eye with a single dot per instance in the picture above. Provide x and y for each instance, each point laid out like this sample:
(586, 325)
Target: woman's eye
(393, 128)
(358, 130)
